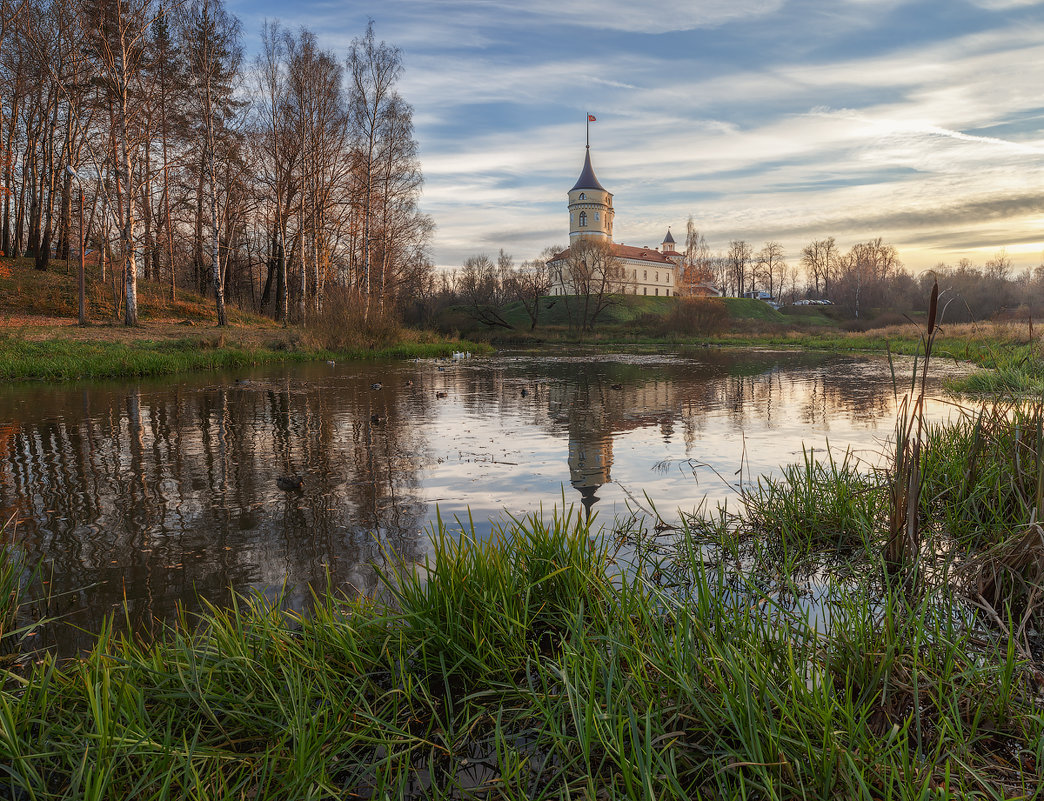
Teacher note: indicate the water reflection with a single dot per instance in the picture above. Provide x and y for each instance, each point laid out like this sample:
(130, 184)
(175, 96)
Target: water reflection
(150, 494)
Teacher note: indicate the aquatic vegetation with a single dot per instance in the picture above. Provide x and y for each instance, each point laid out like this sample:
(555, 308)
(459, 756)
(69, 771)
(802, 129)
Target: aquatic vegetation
(816, 503)
(529, 666)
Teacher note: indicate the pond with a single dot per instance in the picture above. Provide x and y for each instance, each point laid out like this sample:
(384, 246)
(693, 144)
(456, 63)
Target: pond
(154, 494)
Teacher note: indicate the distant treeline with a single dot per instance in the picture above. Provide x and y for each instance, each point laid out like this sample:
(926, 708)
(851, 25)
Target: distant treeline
(270, 182)
(867, 284)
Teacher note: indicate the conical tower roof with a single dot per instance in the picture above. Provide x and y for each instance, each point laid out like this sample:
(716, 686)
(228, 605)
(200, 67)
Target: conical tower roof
(587, 178)
(668, 238)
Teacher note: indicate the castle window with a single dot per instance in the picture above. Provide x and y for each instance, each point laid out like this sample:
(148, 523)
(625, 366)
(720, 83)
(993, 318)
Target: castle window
(657, 276)
(635, 276)
(583, 219)
(668, 292)
(583, 196)
(596, 216)
(657, 290)
(645, 290)
(645, 275)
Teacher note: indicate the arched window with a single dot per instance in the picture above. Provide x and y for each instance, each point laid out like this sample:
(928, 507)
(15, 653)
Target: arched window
(583, 196)
(645, 275)
(657, 291)
(583, 219)
(668, 292)
(596, 216)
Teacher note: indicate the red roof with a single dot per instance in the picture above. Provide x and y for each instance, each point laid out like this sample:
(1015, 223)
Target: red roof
(640, 254)
(629, 252)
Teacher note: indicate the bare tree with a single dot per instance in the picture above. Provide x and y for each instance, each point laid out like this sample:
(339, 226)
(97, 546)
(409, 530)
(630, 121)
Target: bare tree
(531, 283)
(482, 289)
(697, 268)
(210, 41)
(771, 266)
(738, 265)
(373, 69)
(116, 31)
(863, 271)
(820, 260)
(595, 276)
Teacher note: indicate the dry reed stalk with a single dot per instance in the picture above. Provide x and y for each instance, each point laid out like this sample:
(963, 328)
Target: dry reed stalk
(903, 544)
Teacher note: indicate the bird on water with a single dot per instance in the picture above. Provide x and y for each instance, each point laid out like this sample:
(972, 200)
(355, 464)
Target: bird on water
(290, 483)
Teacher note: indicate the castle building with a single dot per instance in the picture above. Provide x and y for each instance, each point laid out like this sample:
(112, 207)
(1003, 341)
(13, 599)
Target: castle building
(613, 268)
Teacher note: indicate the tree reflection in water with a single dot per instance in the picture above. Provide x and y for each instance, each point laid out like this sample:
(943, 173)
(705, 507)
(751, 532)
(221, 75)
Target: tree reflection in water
(158, 493)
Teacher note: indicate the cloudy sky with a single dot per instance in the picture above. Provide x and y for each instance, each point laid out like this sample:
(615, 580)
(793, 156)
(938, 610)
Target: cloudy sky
(920, 122)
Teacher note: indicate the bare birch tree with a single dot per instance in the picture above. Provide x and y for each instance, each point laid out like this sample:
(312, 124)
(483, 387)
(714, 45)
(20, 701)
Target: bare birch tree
(373, 69)
(116, 31)
(210, 41)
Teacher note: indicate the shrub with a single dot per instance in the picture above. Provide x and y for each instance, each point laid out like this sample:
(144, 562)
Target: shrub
(344, 324)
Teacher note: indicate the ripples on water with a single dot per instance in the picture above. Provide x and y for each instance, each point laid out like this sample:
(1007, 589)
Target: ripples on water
(158, 492)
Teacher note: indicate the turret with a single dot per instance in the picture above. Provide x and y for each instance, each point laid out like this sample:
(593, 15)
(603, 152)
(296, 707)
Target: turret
(668, 243)
(590, 206)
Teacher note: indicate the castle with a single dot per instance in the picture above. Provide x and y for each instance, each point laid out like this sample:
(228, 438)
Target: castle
(632, 270)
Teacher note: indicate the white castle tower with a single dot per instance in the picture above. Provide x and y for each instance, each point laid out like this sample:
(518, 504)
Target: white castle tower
(590, 206)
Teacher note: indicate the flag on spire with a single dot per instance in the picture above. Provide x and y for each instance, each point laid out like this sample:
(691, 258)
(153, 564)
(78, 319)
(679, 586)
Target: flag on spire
(591, 118)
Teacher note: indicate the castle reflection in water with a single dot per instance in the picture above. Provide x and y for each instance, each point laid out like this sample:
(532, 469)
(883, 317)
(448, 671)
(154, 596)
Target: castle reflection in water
(597, 412)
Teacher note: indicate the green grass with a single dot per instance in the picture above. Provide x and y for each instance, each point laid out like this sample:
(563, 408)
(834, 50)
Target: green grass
(619, 319)
(749, 309)
(64, 360)
(527, 665)
(762, 652)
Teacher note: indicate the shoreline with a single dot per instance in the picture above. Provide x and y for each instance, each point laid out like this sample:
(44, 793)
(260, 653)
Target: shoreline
(106, 352)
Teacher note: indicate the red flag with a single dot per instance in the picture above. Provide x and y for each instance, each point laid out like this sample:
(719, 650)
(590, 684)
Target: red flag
(591, 118)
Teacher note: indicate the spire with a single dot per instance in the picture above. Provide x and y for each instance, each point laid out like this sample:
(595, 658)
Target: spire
(587, 178)
(668, 240)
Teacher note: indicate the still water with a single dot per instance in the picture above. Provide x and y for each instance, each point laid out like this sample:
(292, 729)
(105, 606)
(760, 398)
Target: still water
(151, 494)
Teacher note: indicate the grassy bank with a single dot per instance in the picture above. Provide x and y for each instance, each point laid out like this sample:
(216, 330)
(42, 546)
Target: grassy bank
(70, 359)
(39, 341)
(1010, 350)
(759, 653)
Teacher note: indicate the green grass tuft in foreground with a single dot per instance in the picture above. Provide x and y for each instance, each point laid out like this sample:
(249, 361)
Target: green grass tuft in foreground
(527, 666)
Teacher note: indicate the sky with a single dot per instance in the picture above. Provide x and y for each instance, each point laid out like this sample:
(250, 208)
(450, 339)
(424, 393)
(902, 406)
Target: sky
(790, 120)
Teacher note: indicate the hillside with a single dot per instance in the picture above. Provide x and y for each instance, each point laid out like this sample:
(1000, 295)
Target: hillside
(39, 337)
(26, 292)
(638, 317)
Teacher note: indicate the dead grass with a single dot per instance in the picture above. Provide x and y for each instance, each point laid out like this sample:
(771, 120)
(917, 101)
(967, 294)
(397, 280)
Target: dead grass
(30, 294)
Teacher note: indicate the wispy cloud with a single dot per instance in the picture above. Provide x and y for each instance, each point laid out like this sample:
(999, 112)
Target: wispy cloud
(919, 121)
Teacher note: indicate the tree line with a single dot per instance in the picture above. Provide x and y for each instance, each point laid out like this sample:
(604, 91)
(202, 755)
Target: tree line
(866, 282)
(273, 183)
